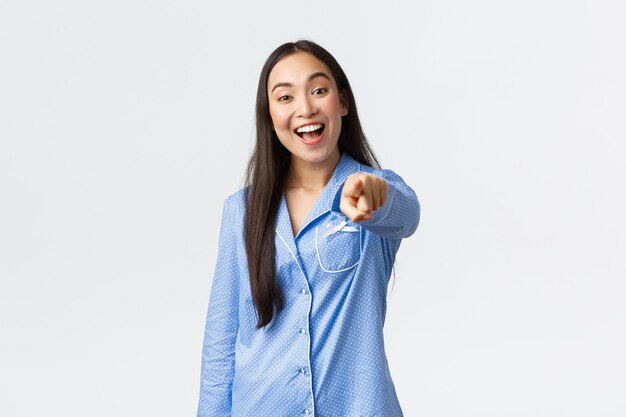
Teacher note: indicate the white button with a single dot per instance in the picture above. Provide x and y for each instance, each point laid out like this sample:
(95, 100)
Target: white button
(307, 412)
(302, 291)
(302, 331)
(301, 370)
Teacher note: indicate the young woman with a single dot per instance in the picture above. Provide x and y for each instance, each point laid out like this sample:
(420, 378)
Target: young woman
(297, 306)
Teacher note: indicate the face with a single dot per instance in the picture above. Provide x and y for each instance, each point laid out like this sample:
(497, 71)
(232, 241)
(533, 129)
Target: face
(306, 107)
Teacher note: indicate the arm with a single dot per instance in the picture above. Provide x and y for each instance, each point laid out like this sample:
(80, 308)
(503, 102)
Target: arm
(381, 203)
(218, 352)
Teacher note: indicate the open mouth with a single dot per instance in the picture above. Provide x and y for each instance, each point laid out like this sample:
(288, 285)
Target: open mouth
(310, 132)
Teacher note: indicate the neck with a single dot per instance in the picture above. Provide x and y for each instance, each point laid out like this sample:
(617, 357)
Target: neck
(315, 176)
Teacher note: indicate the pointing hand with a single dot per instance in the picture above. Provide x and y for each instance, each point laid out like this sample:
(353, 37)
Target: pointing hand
(361, 195)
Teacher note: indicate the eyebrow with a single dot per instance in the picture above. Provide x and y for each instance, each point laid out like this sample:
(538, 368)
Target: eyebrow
(311, 77)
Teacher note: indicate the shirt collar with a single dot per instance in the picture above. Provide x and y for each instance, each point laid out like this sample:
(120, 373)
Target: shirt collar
(346, 167)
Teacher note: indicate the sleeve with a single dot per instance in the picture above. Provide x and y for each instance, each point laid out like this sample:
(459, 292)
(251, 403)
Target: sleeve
(218, 351)
(399, 216)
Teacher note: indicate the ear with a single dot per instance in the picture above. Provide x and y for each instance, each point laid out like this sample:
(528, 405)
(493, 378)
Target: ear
(343, 97)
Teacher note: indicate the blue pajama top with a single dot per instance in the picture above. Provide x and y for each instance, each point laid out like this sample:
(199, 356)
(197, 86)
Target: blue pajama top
(323, 354)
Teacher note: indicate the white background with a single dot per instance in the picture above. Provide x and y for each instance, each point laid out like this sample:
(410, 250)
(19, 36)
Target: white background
(125, 124)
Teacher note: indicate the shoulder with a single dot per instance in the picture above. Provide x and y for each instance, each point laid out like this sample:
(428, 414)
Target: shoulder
(387, 174)
(235, 204)
(238, 198)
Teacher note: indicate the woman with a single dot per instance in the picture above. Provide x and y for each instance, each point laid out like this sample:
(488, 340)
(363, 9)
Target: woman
(297, 307)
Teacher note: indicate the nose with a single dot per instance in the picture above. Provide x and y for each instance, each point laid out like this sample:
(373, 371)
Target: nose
(307, 107)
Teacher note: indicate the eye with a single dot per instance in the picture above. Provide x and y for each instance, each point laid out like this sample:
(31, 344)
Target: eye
(284, 98)
(319, 91)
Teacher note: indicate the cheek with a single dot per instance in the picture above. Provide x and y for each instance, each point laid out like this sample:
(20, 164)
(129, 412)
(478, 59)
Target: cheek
(333, 107)
(279, 118)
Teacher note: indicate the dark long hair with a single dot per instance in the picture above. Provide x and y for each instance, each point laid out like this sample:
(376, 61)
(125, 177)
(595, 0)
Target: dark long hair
(267, 169)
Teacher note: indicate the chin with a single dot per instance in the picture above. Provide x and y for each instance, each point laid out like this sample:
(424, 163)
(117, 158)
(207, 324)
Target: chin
(316, 156)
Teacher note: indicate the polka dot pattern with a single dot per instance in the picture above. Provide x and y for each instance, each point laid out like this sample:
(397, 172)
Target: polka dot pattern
(323, 353)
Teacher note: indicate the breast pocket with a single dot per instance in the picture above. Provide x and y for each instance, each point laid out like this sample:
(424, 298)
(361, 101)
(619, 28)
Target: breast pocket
(338, 244)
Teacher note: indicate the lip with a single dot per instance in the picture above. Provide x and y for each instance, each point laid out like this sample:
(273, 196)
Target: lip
(314, 141)
(308, 124)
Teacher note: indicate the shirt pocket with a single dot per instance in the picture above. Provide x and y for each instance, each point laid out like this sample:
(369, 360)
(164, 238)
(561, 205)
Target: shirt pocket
(338, 244)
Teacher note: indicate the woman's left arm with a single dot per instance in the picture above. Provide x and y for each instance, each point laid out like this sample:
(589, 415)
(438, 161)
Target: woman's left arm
(384, 204)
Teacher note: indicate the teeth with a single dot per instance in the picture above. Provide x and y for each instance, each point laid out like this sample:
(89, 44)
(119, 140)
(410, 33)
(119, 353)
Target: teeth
(309, 128)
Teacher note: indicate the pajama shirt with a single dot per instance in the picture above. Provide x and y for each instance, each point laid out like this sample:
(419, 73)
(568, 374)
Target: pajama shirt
(323, 354)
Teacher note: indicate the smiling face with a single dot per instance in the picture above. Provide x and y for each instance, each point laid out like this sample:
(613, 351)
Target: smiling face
(306, 108)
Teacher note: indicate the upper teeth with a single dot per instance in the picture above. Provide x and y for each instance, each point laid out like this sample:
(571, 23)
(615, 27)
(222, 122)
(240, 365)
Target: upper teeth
(309, 128)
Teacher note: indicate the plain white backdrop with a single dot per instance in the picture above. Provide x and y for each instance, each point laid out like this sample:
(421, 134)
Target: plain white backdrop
(125, 124)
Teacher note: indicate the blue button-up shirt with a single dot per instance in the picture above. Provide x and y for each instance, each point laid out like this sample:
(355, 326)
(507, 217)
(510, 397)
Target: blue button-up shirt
(323, 353)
